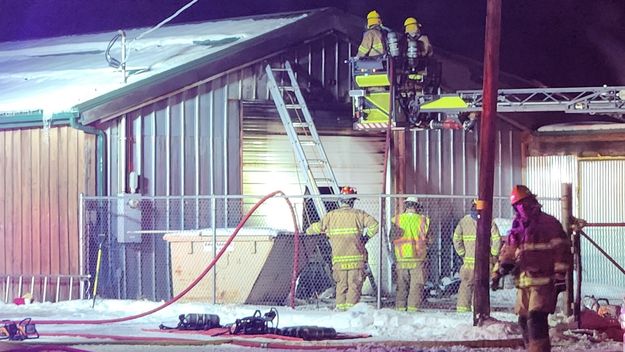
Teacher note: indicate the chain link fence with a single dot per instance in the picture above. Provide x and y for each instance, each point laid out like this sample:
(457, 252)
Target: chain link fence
(154, 247)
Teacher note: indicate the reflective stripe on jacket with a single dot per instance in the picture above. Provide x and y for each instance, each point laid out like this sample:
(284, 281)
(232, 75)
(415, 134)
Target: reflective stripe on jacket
(538, 249)
(410, 242)
(372, 43)
(344, 227)
(464, 238)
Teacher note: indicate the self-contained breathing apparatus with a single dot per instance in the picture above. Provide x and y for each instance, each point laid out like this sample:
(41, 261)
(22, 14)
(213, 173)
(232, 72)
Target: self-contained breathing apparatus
(257, 324)
(195, 321)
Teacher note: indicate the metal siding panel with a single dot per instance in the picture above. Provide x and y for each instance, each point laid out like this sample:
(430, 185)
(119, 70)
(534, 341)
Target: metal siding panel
(234, 147)
(148, 154)
(205, 133)
(219, 140)
(248, 83)
(445, 162)
(4, 203)
(175, 145)
(544, 177)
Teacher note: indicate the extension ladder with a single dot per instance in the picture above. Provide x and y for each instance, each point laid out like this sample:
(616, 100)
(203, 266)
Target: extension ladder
(300, 128)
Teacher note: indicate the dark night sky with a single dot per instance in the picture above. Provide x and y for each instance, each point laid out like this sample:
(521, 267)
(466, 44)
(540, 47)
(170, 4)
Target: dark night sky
(557, 42)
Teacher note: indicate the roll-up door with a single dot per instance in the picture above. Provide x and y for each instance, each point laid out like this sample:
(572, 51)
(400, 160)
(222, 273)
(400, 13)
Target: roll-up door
(269, 162)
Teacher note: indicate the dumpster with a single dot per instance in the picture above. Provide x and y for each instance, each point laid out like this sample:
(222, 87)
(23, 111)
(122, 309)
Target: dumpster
(255, 269)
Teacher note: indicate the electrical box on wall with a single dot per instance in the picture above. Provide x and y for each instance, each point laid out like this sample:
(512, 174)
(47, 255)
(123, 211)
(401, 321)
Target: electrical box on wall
(128, 218)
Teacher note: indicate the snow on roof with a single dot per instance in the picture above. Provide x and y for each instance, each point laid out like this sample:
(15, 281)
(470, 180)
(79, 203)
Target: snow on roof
(56, 74)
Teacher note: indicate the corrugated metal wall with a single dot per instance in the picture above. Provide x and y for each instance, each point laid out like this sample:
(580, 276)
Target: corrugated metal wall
(545, 175)
(602, 200)
(446, 161)
(190, 144)
(42, 174)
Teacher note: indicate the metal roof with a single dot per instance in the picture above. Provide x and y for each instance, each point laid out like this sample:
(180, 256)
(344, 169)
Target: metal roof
(70, 73)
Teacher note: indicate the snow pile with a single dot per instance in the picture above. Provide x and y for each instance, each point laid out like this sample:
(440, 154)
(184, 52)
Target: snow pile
(383, 325)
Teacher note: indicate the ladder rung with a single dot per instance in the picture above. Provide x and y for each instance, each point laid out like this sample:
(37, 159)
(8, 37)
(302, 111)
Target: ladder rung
(308, 143)
(292, 106)
(324, 180)
(277, 69)
(287, 88)
(316, 162)
(300, 124)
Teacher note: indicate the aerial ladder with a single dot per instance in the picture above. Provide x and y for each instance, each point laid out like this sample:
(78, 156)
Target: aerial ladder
(377, 101)
(300, 128)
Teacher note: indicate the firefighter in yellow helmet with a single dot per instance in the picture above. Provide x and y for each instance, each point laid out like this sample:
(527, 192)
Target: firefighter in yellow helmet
(538, 254)
(372, 44)
(410, 242)
(416, 44)
(464, 239)
(348, 230)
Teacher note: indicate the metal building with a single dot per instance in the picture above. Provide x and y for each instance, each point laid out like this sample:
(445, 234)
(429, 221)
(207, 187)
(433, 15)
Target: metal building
(190, 115)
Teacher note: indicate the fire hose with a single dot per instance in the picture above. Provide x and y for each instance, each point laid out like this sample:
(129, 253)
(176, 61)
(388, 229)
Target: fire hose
(206, 270)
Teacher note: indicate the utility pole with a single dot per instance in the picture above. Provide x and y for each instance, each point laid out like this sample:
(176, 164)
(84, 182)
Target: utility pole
(481, 309)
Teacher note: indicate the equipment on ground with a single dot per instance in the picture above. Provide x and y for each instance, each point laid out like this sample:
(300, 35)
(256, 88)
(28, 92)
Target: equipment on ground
(310, 332)
(18, 331)
(257, 324)
(195, 321)
(101, 238)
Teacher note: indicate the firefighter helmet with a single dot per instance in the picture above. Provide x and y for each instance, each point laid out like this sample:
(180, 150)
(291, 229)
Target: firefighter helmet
(412, 202)
(373, 18)
(411, 24)
(348, 190)
(520, 192)
(411, 199)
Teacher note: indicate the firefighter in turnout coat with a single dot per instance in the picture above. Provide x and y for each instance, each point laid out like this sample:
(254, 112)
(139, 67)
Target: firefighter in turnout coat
(538, 254)
(372, 44)
(345, 228)
(410, 247)
(464, 244)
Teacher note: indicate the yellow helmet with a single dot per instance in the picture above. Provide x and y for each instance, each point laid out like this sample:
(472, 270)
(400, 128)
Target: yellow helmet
(373, 18)
(411, 24)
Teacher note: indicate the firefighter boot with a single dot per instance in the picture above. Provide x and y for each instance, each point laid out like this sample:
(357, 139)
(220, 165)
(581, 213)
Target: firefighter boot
(538, 331)
(524, 332)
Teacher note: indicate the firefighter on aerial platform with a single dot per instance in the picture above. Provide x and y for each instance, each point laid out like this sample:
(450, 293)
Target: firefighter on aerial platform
(464, 240)
(416, 44)
(372, 44)
(538, 254)
(416, 49)
(410, 247)
(345, 228)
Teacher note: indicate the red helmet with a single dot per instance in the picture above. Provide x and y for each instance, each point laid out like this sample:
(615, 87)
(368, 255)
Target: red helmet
(520, 192)
(348, 190)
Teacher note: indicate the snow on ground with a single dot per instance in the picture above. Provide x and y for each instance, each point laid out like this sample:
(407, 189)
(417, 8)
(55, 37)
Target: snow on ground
(384, 324)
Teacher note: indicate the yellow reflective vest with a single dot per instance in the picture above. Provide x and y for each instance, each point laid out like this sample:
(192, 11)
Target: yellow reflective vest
(344, 227)
(464, 238)
(410, 243)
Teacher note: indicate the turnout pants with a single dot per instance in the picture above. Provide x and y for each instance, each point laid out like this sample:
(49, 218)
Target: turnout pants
(533, 305)
(348, 287)
(465, 292)
(410, 282)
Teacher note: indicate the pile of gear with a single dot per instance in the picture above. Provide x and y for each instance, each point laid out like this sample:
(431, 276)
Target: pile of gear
(256, 324)
(18, 331)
